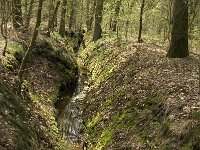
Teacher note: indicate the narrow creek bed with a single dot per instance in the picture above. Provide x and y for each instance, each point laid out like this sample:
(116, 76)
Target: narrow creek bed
(70, 120)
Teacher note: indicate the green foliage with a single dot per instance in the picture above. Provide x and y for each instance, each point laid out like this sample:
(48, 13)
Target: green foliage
(105, 138)
(108, 102)
(94, 120)
(99, 61)
(8, 62)
(195, 115)
(15, 48)
(155, 98)
(14, 52)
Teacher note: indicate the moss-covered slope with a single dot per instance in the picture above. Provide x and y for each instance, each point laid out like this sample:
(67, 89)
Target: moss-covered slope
(28, 117)
(140, 99)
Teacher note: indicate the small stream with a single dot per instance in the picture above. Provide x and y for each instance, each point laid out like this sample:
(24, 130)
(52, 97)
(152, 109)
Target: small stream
(70, 120)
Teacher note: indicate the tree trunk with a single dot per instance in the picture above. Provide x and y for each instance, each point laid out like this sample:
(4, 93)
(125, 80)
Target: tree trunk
(72, 17)
(4, 19)
(62, 19)
(179, 34)
(169, 17)
(90, 18)
(88, 13)
(116, 15)
(26, 6)
(80, 22)
(140, 23)
(35, 34)
(51, 12)
(126, 31)
(56, 14)
(98, 20)
(28, 15)
(17, 15)
(52, 18)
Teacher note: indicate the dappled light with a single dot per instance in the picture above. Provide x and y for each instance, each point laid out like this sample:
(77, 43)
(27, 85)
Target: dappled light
(99, 75)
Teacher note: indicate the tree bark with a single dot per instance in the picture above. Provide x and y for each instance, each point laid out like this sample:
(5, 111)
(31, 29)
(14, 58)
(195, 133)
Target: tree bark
(34, 37)
(4, 19)
(179, 34)
(52, 18)
(28, 15)
(88, 13)
(56, 14)
(72, 17)
(51, 12)
(91, 20)
(26, 6)
(62, 20)
(140, 23)
(116, 15)
(98, 20)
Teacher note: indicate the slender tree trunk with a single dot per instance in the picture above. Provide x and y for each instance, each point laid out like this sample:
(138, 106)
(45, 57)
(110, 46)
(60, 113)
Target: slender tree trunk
(62, 20)
(72, 17)
(28, 15)
(80, 23)
(50, 25)
(116, 15)
(88, 13)
(17, 14)
(5, 16)
(126, 31)
(34, 37)
(52, 18)
(169, 20)
(90, 18)
(56, 14)
(179, 35)
(110, 21)
(26, 6)
(98, 20)
(51, 12)
(140, 23)
(9, 9)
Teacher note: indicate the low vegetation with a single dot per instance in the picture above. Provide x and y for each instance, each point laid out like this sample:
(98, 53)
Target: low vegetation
(29, 116)
(144, 101)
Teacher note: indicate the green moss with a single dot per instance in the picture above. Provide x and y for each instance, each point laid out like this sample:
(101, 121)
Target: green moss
(15, 48)
(94, 120)
(12, 109)
(195, 115)
(105, 138)
(155, 98)
(57, 36)
(9, 62)
(127, 118)
(108, 103)
(188, 146)
(100, 60)
(165, 128)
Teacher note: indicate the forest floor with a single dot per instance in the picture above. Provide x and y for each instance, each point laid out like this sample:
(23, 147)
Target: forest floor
(140, 99)
(137, 98)
(28, 117)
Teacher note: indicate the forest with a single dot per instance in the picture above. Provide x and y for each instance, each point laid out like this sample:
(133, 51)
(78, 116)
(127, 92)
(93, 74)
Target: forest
(99, 74)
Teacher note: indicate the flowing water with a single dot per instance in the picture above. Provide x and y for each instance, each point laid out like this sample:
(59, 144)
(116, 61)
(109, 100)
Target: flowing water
(71, 118)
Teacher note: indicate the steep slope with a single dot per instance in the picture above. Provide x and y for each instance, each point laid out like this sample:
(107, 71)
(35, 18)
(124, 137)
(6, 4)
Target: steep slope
(139, 99)
(28, 117)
